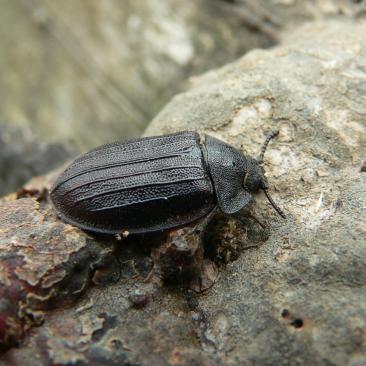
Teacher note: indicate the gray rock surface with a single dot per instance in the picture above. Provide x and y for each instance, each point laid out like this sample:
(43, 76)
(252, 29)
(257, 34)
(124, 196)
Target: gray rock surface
(299, 298)
(296, 299)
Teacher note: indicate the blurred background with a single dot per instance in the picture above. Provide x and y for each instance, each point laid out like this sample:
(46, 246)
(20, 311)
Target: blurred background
(75, 74)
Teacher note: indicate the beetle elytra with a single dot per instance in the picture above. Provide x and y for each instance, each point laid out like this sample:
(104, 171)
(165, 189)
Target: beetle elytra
(157, 183)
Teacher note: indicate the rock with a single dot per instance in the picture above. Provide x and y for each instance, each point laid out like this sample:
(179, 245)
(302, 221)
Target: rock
(294, 299)
(298, 298)
(43, 263)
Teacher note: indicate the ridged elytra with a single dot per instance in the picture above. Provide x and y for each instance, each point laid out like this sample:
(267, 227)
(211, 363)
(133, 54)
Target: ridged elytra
(157, 183)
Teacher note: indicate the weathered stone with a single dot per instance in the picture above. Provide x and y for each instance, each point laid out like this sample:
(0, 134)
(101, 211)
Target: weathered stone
(297, 298)
(43, 263)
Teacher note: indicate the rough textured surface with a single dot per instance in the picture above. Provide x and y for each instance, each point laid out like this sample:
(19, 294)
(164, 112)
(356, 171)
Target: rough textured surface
(43, 262)
(297, 298)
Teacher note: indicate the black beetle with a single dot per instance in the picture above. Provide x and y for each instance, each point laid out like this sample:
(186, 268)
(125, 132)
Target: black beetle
(156, 183)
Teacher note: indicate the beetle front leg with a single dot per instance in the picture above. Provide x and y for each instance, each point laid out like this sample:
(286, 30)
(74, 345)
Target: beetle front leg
(261, 224)
(239, 217)
(253, 232)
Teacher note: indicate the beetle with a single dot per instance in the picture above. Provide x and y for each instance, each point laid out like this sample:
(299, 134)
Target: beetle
(157, 183)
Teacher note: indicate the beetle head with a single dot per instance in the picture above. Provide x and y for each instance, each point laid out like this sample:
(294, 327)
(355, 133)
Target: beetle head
(254, 178)
(235, 175)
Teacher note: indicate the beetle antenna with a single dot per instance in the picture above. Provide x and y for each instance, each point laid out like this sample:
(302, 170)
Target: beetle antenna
(270, 199)
(265, 144)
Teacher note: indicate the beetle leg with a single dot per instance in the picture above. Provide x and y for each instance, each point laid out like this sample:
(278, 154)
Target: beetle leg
(263, 226)
(238, 217)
